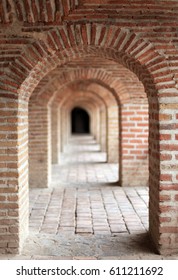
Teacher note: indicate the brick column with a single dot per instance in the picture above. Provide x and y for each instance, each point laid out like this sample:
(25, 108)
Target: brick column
(13, 175)
(55, 134)
(92, 124)
(97, 124)
(39, 145)
(64, 128)
(163, 208)
(133, 163)
(103, 129)
(112, 134)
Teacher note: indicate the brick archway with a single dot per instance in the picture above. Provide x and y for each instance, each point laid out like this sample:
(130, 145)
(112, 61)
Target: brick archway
(58, 47)
(89, 101)
(101, 96)
(134, 53)
(80, 121)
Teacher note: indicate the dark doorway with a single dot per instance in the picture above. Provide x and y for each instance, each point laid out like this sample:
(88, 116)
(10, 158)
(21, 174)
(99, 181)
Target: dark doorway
(80, 121)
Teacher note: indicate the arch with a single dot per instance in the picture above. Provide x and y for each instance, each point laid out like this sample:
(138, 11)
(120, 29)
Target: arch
(84, 78)
(102, 99)
(80, 121)
(122, 45)
(60, 45)
(106, 120)
(91, 101)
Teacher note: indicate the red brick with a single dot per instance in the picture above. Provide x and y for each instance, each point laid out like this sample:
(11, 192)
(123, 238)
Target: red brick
(169, 147)
(165, 136)
(165, 198)
(2, 198)
(165, 219)
(166, 177)
(42, 42)
(165, 157)
(164, 117)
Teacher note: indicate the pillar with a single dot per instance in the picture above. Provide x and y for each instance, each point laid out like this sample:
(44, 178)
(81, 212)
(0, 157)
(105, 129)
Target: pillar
(134, 145)
(163, 181)
(55, 134)
(13, 175)
(64, 128)
(112, 134)
(98, 126)
(39, 145)
(103, 129)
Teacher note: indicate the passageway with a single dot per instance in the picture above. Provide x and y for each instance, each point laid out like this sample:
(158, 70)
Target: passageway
(122, 70)
(80, 121)
(85, 212)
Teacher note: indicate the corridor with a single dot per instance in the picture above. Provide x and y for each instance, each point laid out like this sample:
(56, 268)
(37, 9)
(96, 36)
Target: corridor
(105, 68)
(85, 214)
(84, 197)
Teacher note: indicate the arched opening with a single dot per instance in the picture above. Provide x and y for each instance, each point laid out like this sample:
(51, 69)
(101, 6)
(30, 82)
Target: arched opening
(159, 181)
(80, 121)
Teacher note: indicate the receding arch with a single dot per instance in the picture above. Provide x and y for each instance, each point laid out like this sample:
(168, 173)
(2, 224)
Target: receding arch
(134, 53)
(113, 84)
(80, 121)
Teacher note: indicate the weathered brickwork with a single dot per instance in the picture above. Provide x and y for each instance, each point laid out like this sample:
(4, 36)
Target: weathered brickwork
(13, 175)
(121, 54)
(134, 145)
(39, 145)
(55, 134)
(103, 131)
(112, 134)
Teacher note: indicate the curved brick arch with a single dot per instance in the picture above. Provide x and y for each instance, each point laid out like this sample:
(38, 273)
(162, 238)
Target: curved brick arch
(97, 110)
(151, 67)
(85, 105)
(106, 131)
(89, 107)
(99, 77)
(134, 53)
(92, 87)
(84, 95)
(62, 44)
(71, 99)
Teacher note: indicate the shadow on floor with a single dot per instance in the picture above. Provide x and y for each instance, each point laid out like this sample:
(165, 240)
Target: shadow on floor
(122, 246)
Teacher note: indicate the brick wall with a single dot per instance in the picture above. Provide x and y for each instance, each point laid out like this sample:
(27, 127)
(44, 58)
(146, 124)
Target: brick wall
(103, 129)
(164, 204)
(112, 134)
(44, 47)
(55, 134)
(39, 145)
(134, 145)
(13, 175)
(64, 129)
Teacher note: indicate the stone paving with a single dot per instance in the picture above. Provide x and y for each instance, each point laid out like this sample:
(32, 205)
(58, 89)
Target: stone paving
(85, 214)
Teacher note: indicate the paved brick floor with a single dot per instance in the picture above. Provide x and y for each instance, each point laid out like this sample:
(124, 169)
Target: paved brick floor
(85, 214)
(84, 197)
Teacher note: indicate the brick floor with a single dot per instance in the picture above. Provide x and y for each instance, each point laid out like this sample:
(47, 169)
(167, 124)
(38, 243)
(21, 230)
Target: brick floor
(85, 214)
(83, 198)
